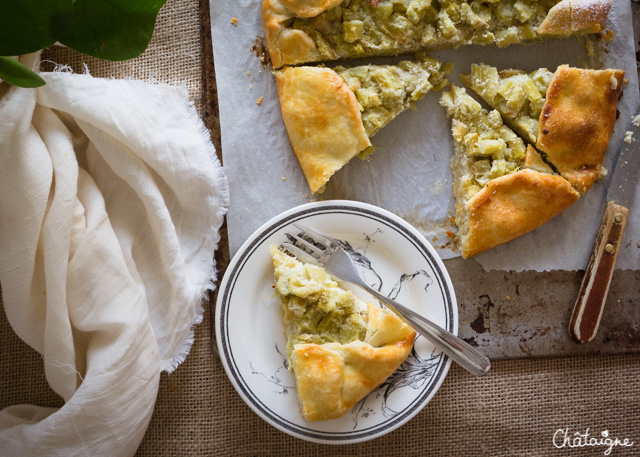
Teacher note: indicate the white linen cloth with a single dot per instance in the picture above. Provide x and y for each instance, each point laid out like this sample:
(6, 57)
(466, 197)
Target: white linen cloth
(111, 200)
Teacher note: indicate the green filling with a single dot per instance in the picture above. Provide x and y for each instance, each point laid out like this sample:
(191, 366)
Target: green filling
(517, 95)
(357, 28)
(384, 91)
(316, 310)
(486, 149)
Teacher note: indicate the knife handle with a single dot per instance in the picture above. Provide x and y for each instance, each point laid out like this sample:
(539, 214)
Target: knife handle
(592, 296)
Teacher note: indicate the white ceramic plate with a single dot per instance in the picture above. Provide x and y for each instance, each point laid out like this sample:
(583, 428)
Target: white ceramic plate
(393, 257)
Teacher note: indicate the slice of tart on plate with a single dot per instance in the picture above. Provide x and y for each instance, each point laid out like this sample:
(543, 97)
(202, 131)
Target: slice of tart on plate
(568, 115)
(339, 348)
(302, 31)
(330, 114)
(503, 189)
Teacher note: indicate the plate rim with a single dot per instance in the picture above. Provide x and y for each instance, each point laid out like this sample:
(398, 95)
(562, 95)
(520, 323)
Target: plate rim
(256, 240)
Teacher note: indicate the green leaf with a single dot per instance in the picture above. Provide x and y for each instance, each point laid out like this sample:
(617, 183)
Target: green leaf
(17, 74)
(112, 29)
(30, 25)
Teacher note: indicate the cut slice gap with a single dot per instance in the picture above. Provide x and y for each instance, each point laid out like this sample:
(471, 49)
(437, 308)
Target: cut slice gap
(330, 114)
(502, 189)
(567, 115)
(339, 348)
(535, 161)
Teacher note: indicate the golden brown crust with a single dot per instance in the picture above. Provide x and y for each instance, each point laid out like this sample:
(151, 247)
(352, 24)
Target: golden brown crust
(289, 46)
(576, 16)
(577, 122)
(332, 377)
(512, 205)
(323, 121)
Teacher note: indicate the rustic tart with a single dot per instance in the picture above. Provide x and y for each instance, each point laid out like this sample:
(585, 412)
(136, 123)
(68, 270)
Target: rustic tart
(339, 348)
(567, 115)
(303, 31)
(330, 114)
(503, 189)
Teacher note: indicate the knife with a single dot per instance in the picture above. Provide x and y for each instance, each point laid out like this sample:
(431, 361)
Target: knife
(592, 295)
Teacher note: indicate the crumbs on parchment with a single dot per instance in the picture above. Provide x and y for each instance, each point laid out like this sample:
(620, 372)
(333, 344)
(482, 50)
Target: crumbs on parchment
(234, 20)
(259, 101)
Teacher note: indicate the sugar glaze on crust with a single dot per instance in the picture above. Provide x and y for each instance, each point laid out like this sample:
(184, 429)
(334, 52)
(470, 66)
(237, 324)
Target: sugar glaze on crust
(577, 122)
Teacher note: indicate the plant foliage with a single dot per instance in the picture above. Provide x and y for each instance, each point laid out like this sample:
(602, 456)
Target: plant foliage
(107, 29)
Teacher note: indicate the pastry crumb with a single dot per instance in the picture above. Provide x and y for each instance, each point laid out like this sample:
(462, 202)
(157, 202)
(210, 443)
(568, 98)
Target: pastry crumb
(628, 137)
(608, 35)
(306, 195)
(436, 189)
(636, 120)
(283, 179)
(234, 20)
(248, 72)
(259, 101)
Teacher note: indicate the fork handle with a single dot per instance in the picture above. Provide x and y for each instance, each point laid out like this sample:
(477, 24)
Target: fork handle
(459, 350)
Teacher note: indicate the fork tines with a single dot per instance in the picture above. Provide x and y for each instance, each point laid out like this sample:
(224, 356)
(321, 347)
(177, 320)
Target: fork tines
(299, 253)
(317, 238)
(309, 245)
(306, 245)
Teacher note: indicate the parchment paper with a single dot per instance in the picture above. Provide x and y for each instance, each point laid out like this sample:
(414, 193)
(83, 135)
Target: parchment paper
(409, 173)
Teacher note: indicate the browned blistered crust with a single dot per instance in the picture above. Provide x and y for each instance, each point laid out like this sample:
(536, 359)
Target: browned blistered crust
(512, 205)
(572, 16)
(323, 121)
(289, 46)
(577, 121)
(332, 377)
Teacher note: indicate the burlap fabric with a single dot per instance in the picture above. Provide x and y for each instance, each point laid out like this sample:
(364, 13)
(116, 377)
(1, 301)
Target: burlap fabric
(515, 410)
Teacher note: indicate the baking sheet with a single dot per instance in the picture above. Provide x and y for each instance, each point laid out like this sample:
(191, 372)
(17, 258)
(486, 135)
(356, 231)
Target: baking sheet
(409, 172)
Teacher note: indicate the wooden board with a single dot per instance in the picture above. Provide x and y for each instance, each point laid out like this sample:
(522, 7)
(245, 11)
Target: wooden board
(507, 314)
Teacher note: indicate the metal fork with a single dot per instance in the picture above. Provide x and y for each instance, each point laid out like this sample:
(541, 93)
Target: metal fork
(339, 263)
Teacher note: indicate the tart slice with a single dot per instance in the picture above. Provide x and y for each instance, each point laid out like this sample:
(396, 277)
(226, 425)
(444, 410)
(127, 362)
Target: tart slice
(339, 348)
(503, 189)
(330, 114)
(568, 115)
(302, 31)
